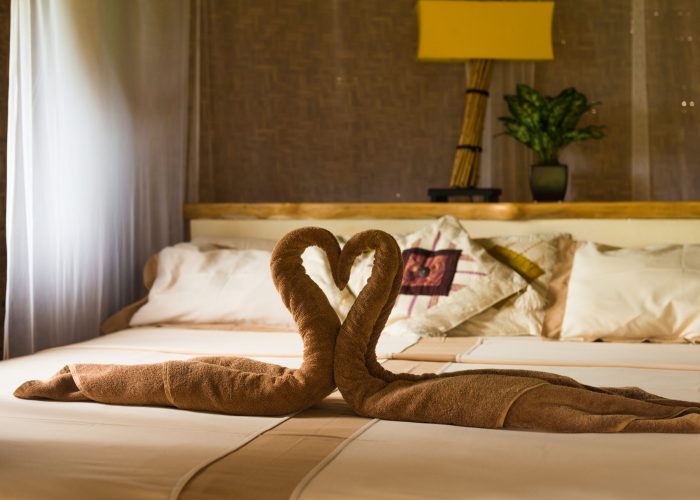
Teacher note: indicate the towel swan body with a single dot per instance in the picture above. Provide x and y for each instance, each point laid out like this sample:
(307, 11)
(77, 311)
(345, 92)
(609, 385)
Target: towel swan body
(487, 398)
(226, 384)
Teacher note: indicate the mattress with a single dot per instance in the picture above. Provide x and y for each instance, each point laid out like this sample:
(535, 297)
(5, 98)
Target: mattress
(50, 449)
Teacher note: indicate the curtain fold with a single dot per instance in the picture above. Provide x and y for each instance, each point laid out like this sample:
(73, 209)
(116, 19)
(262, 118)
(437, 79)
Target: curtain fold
(97, 157)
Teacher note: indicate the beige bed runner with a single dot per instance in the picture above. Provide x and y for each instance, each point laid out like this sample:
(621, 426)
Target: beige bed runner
(439, 349)
(468, 351)
(274, 464)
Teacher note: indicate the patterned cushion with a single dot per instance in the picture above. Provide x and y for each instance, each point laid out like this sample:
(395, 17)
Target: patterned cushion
(533, 256)
(447, 279)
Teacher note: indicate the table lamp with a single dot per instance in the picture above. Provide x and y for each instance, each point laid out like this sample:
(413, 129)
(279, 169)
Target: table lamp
(480, 32)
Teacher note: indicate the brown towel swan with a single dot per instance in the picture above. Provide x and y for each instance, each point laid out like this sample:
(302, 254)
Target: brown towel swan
(516, 399)
(226, 384)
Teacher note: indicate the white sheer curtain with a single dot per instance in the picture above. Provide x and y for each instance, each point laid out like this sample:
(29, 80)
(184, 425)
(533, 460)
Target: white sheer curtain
(97, 153)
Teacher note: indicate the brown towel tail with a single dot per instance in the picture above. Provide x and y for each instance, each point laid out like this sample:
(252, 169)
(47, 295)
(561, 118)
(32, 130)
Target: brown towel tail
(226, 384)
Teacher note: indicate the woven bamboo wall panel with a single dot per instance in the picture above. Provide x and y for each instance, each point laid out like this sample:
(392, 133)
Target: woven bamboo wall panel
(322, 100)
(673, 79)
(592, 53)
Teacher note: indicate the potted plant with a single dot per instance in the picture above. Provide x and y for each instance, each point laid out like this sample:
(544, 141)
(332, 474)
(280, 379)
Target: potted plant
(547, 125)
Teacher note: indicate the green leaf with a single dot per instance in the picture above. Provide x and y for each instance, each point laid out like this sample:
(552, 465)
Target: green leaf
(519, 132)
(530, 95)
(523, 111)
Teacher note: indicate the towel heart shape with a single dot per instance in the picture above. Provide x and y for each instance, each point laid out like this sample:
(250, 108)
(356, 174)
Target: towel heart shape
(290, 277)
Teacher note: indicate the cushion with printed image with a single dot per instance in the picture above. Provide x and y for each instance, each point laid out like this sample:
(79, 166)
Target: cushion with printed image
(447, 279)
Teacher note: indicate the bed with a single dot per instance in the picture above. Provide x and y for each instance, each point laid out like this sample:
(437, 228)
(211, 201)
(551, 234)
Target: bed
(88, 450)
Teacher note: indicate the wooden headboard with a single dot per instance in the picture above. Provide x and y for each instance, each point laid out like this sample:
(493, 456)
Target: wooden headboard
(616, 223)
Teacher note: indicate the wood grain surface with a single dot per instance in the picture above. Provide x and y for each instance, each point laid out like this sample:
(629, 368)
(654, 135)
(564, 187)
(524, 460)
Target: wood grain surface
(481, 211)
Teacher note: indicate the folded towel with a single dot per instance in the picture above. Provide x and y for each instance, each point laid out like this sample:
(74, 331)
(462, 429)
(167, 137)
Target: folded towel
(226, 384)
(516, 399)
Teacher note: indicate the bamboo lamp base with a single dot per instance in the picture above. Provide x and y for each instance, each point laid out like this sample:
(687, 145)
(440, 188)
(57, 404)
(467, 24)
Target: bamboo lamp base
(465, 169)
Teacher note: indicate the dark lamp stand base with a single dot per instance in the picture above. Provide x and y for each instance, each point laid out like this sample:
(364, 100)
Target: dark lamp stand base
(487, 195)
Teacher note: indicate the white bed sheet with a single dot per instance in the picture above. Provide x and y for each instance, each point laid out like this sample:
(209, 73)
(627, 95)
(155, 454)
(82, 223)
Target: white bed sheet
(538, 351)
(392, 460)
(100, 451)
(204, 342)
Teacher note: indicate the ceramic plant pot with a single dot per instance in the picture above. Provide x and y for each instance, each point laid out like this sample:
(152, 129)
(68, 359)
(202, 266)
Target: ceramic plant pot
(548, 182)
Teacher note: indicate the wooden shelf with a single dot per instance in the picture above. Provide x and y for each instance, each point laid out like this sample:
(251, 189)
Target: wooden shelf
(442, 195)
(481, 211)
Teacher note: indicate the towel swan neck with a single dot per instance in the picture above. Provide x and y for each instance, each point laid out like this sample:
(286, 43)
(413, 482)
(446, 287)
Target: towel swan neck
(360, 371)
(316, 320)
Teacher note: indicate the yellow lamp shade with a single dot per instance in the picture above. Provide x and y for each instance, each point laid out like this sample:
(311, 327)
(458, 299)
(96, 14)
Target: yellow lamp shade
(456, 31)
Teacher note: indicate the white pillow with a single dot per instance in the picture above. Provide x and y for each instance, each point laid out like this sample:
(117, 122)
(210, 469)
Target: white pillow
(447, 279)
(633, 294)
(314, 259)
(317, 267)
(201, 284)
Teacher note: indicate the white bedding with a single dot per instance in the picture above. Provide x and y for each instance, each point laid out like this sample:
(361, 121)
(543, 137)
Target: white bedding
(94, 450)
(49, 448)
(523, 350)
(391, 460)
(204, 342)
